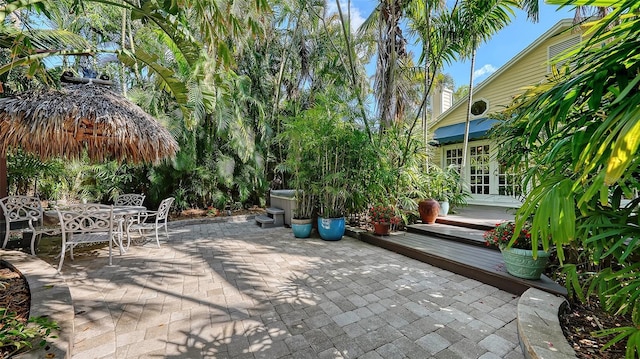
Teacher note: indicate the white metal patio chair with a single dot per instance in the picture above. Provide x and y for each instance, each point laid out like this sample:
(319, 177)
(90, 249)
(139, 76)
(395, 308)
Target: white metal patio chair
(21, 210)
(129, 199)
(85, 224)
(154, 220)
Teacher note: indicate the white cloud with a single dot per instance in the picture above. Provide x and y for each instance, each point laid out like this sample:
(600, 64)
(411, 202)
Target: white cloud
(356, 15)
(485, 70)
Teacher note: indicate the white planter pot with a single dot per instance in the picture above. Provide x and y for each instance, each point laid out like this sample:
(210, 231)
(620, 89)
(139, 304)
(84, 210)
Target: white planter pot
(444, 208)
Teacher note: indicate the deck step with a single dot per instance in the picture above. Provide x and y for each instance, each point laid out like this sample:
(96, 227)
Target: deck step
(452, 232)
(482, 264)
(459, 222)
(265, 221)
(275, 210)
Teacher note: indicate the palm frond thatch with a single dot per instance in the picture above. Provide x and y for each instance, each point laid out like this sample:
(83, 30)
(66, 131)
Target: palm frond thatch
(79, 117)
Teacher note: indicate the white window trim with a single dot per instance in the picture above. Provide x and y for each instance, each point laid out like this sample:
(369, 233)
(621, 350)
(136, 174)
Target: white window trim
(485, 111)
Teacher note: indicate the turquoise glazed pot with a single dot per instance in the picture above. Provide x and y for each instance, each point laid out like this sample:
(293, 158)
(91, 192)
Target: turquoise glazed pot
(520, 262)
(301, 227)
(331, 229)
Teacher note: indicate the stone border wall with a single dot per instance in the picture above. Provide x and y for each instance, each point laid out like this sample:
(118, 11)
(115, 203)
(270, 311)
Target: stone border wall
(50, 297)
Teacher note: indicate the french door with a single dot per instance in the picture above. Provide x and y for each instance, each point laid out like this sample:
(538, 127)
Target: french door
(484, 174)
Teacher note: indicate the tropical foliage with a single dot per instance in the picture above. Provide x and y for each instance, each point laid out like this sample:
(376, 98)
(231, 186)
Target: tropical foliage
(278, 89)
(16, 336)
(580, 133)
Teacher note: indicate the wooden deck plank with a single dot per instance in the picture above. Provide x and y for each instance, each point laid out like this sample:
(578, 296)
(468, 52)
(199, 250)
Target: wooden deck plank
(482, 264)
(457, 233)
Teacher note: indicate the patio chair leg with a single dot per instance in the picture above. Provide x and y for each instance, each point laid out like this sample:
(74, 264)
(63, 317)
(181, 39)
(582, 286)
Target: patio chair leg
(33, 244)
(157, 239)
(120, 244)
(128, 241)
(110, 251)
(61, 258)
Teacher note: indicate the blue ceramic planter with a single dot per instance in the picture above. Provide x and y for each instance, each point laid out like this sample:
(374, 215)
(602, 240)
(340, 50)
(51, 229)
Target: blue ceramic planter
(331, 229)
(301, 227)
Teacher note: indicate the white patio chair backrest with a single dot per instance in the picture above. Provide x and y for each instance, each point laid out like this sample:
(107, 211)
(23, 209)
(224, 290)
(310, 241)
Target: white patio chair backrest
(21, 208)
(163, 209)
(129, 199)
(28, 211)
(86, 218)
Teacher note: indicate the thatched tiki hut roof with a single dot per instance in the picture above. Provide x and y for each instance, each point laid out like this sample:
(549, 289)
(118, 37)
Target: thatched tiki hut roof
(81, 117)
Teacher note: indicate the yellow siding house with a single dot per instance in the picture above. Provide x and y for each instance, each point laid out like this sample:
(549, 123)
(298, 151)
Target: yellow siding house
(488, 181)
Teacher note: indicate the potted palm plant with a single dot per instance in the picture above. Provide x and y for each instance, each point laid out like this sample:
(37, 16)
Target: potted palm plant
(301, 164)
(332, 188)
(327, 159)
(302, 221)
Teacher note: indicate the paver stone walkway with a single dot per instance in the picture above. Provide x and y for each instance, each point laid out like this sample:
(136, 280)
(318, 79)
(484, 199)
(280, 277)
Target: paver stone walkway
(233, 290)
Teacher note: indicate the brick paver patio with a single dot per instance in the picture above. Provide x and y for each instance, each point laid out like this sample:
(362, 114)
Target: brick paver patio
(233, 290)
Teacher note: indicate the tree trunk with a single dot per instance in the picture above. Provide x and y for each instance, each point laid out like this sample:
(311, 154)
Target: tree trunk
(123, 36)
(465, 145)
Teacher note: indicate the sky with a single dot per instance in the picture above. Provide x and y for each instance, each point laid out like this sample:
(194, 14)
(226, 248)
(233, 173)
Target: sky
(502, 47)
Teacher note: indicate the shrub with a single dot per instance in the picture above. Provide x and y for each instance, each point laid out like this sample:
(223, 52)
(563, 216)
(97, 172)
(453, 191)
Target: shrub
(18, 336)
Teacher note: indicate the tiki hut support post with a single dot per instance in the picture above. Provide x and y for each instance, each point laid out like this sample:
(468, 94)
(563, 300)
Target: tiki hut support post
(4, 188)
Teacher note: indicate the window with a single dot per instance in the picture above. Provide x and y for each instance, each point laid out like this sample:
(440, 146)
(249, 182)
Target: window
(479, 108)
(479, 169)
(453, 157)
(509, 182)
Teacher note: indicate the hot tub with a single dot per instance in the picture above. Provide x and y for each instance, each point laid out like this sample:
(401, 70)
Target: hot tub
(284, 199)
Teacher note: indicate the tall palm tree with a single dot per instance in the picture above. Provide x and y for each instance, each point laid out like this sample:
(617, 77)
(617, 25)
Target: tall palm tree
(385, 20)
(476, 22)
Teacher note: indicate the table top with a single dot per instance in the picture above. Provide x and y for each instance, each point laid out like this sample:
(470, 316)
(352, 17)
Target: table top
(117, 211)
(128, 210)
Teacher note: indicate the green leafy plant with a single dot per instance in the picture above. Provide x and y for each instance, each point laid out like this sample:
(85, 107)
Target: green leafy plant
(17, 336)
(446, 185)
(305, 205)
(300, 165)
(328, 157)
(578, 132)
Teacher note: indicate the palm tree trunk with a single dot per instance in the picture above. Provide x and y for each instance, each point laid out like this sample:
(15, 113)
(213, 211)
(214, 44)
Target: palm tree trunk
(465, 145)
(123, 36)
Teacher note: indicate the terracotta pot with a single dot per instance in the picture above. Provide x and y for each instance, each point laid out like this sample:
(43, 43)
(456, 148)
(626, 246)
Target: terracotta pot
(381, 229)
(429, 210)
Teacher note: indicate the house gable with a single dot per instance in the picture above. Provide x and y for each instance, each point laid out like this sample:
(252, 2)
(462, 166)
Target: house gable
(529, 67)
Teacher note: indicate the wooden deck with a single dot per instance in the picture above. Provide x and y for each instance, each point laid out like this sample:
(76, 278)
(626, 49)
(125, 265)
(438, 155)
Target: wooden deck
(458, 232)
(472, 261)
